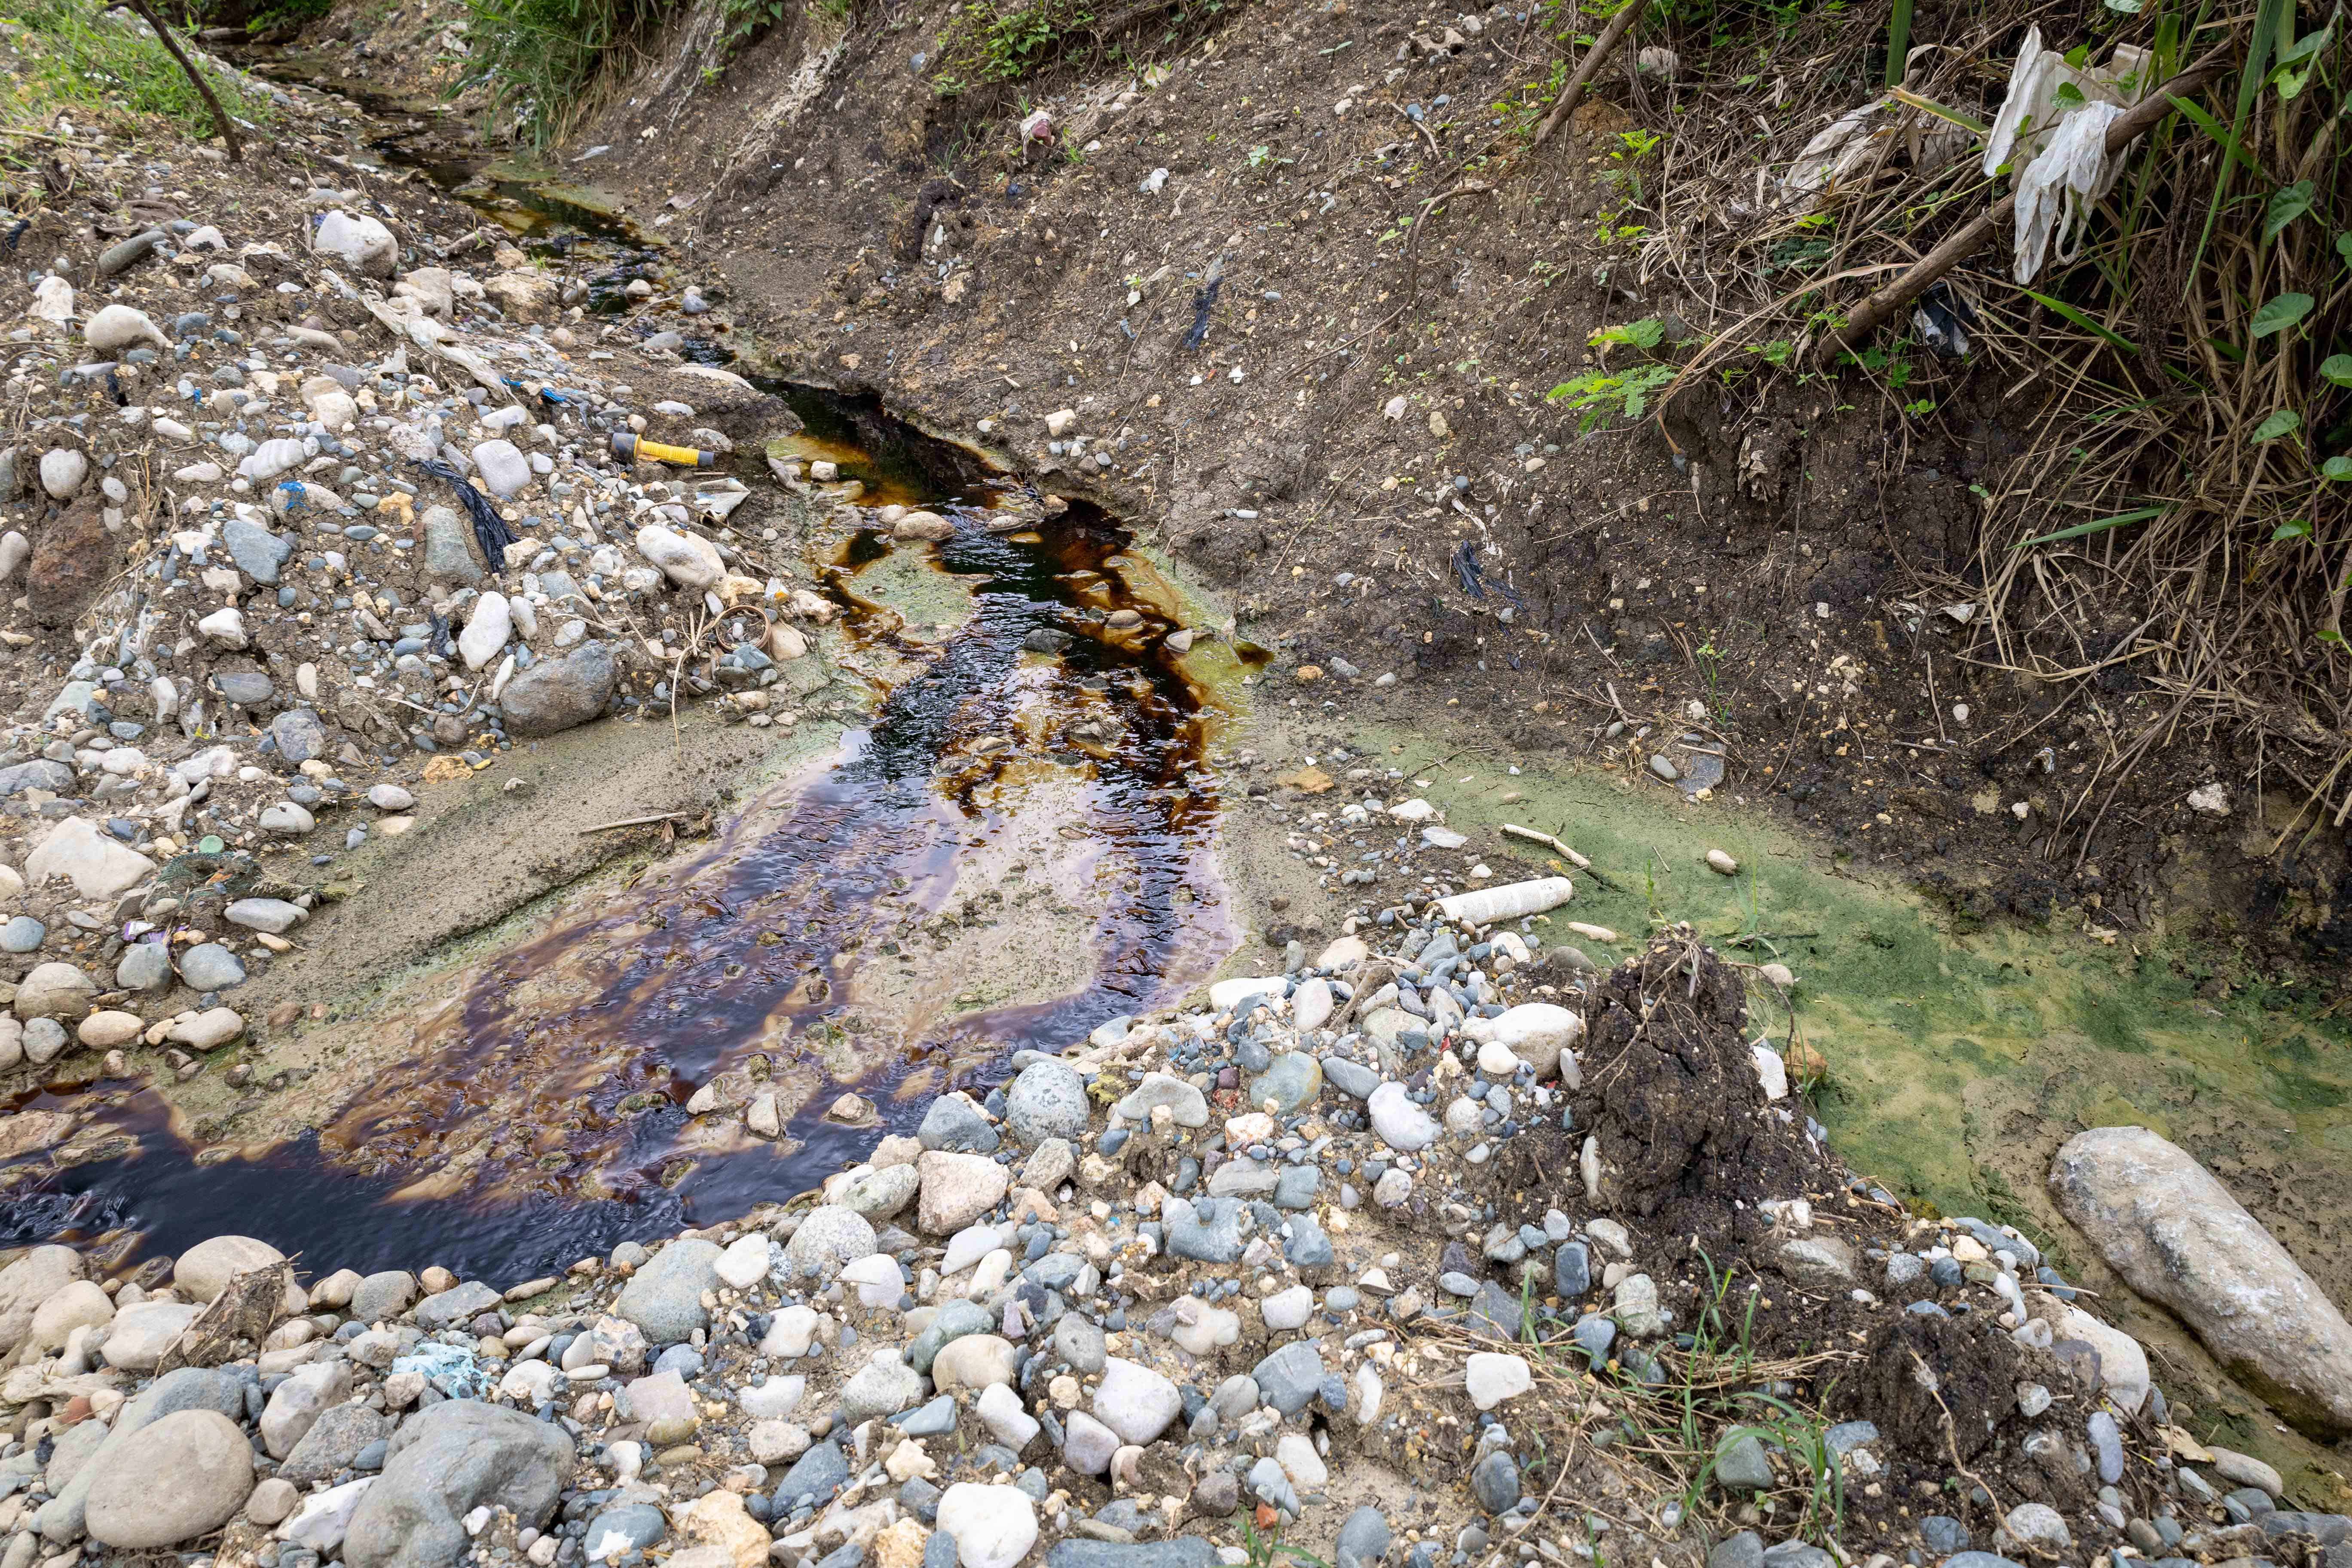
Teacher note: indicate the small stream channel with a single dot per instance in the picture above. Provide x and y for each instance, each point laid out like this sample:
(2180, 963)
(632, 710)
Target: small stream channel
(543, 1117)
(542, 1114)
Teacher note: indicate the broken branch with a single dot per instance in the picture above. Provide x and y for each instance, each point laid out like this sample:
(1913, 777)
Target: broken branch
(221, 121)
(1602, 47)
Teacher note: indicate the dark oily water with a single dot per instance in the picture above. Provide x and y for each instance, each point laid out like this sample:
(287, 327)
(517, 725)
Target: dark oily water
(541, 1115)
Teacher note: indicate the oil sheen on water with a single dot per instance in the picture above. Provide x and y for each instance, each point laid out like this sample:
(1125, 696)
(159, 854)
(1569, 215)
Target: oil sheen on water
(541, 1115)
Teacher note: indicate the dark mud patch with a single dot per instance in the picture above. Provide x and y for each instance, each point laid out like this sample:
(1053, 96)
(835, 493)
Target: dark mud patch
(1670, 1094)
(1669, 1088)
(1924, 1377)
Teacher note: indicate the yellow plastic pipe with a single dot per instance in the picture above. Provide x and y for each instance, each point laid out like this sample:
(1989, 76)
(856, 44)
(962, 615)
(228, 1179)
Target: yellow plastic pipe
(629, 449)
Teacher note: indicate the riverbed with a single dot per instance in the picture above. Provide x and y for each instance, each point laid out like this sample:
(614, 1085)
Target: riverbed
(979, 839)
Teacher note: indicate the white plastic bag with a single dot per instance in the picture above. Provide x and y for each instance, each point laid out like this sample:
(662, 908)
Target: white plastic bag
(2057, 190)
(1833, 156)
(2059, 148)
(2032, 111)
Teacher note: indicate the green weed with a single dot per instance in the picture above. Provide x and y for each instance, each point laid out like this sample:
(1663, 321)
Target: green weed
(75, 55)
(536, 57)
(1596, 396)
(1266, 1548)
(1708, 1399)
(986, 41)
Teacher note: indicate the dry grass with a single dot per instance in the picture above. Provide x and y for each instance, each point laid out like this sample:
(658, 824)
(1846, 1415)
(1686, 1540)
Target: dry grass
(2203, 572)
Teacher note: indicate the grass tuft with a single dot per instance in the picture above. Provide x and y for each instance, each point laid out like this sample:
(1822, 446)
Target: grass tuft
(537, 60)
(69, 55)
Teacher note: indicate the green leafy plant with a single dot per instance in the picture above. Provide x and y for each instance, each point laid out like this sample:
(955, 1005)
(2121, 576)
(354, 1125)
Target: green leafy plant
(1263, 164)
(1625, 160)
(1599, 395)
(1596, 396)
(988, 41)
(745, 19)
(1647, 334)
(1898, 41)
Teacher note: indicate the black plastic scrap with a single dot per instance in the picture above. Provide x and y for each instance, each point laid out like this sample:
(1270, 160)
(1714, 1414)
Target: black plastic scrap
(1466, 570)
(1942, 318)
(1473, 577)
(1203, 301)
(490, 530)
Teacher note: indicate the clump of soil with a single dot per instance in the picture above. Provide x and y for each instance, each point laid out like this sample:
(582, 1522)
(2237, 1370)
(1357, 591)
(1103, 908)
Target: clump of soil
(1691, 1151)
(1924, 1377)
(1670, 1090)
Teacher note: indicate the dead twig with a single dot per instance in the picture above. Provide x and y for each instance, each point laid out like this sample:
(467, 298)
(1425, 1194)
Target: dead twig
(221, 120)
(1602, 47)
(639, 821)
(1514, 830)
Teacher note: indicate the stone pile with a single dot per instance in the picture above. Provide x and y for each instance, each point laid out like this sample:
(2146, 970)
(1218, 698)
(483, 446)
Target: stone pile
(252, 621)
(1242, 1263)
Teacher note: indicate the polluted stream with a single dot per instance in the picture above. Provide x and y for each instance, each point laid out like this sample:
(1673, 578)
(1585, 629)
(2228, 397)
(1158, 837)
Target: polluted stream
(543, 1113)
(548, 1108)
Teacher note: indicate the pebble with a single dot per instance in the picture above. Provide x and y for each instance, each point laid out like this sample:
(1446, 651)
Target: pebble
(1400, 1124)
(1495, 1480)
(1491, 1379)
(992, 1527)
(2039, 1528)
(2107, 1448)
(1135, 1402)
(63, 472)
(1048, 1099)
(179, 1478)
(208, 966)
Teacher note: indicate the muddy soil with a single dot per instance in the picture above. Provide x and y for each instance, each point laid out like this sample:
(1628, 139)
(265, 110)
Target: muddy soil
(1666, 1051)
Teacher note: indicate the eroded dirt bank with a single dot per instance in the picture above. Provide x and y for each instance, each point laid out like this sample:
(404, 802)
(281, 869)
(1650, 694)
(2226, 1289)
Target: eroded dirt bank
(1204, 264)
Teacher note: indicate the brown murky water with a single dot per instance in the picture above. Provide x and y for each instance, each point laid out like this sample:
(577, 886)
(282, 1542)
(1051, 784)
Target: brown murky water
(818, 943)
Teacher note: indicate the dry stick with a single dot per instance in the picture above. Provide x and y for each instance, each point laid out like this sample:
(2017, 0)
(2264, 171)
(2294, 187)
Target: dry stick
(637, 821)
(1951, 1428)
(1413, 240)
(221, 121)
(2128, 127)
(1602, 47)
(1514, 830)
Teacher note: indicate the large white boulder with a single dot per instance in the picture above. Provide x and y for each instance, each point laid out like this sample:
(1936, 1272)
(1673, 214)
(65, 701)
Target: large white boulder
(2178, 1237)
(361, 241)
(99, 865)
